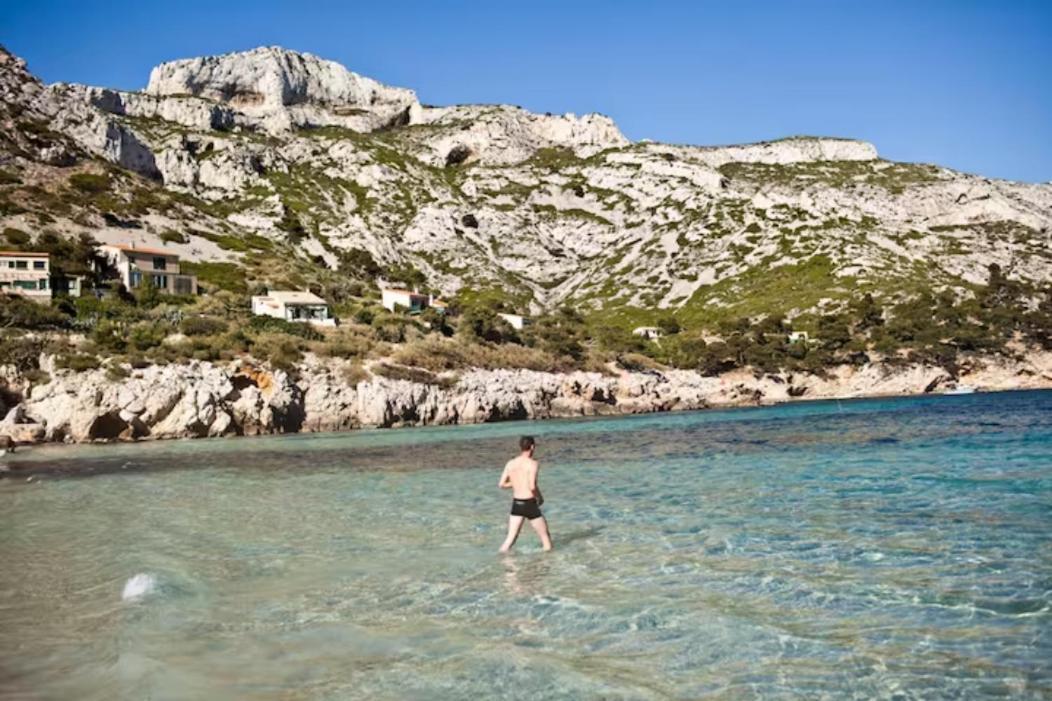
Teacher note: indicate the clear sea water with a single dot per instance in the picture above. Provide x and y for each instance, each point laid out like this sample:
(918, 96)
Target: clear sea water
(869, 549)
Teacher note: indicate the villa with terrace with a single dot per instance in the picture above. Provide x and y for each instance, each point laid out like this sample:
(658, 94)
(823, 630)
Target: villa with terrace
(137, 266)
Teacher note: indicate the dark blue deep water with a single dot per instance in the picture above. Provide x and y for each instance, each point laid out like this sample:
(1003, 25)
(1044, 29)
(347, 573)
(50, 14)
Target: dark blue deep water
(869, 549)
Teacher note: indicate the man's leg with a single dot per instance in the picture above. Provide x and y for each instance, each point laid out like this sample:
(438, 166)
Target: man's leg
(514, 526)
(541, 526)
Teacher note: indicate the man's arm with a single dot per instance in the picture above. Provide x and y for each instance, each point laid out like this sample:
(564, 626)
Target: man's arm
(505, 479)
(533, 483)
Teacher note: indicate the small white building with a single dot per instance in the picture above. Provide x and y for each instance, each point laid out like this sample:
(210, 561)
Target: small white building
(293, 306)
(798, 337)
(26, 274)
(651, 333)
(409, 300)
(516, 321)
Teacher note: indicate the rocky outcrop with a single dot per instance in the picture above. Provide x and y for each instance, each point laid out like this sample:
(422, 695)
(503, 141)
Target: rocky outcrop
(501, 134)
(799, 149)
(201, 399)
(284, 89)
(185, 110)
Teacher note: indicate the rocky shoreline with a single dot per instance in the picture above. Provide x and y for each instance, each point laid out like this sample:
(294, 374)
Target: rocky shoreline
(202, 399)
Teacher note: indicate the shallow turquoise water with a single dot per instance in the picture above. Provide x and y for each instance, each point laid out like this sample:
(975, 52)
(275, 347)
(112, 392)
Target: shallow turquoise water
(874, 549)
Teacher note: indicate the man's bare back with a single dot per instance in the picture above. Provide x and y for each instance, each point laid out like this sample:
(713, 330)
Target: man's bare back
(520, 476)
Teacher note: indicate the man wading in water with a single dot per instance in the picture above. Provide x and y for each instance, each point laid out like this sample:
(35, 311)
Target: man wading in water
(520, 476)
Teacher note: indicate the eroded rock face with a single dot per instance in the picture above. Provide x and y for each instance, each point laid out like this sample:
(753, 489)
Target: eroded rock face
(202, 399)
(284, 88)
(501, 134)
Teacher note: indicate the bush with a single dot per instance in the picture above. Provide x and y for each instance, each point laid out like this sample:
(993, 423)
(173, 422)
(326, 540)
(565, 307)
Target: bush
(223, 303)
(481, 323)
(18, 312)
(355, 373)
(37, 377)
(683, 350)
(291, 224)
(78, 362)
(560, 334)
(170, 236)
(90, 183)
(417, 375)
(116, 372)
(618, 340)
(16, 237)
(280, 350)
(433, 354)
(346, 345)
(635, 362)
(390, 327)
(110, 336)
(439, 354)
(217, 276)
(9, 178)
(457, 155)
(202, 326)
(272, 325)
(668, 324)
(360, 261)
(22, 352)
(145, 336)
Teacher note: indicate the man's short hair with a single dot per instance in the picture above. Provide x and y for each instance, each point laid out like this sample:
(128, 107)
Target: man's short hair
(526, 442)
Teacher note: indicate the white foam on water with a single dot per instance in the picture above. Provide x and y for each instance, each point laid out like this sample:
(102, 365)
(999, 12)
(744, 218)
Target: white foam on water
(138, 586)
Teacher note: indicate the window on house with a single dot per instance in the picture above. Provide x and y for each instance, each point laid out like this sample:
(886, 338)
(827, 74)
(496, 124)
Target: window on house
(26, 284)
(159, 281)
(21, 265)
(42, 284)
(39, 264)
(183, 286)
(136, 278)
(160, 263)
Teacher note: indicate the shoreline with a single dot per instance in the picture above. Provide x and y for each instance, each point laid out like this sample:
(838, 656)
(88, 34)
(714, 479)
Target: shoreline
(16, 467)
(206, 400)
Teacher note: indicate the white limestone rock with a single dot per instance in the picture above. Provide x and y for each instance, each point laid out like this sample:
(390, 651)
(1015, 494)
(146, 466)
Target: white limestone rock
(502, 134)
(283, 89)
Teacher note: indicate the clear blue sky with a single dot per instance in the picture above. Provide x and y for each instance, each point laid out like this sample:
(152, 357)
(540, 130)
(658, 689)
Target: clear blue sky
(959, 83)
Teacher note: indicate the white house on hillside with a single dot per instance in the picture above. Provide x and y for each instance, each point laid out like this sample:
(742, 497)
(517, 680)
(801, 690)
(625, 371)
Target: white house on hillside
(798, 337)
(516, 321)
(26, 274)
(304, 307)
(409, 300)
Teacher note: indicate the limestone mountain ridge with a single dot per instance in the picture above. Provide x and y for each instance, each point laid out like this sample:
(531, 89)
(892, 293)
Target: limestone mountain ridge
(297, 171)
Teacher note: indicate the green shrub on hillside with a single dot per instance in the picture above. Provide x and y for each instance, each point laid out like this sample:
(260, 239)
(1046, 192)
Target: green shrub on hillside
(16, 237)
(202, 326)
(281, 350)
(413, 374)
(18, 312)
(479, 323)
(213, 276)
(270, 324)
(90, 183)
(77, 362)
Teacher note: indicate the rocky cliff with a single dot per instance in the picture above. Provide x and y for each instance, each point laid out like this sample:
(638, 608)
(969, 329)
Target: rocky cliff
(202, 399)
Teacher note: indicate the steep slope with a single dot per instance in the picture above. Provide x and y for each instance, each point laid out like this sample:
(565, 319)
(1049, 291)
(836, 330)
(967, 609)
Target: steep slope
(296, 168)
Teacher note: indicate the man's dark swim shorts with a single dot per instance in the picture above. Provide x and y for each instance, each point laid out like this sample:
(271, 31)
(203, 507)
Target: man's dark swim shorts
(525, 507)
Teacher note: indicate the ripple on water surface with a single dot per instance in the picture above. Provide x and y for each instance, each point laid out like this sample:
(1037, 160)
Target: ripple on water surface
(856, 549)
